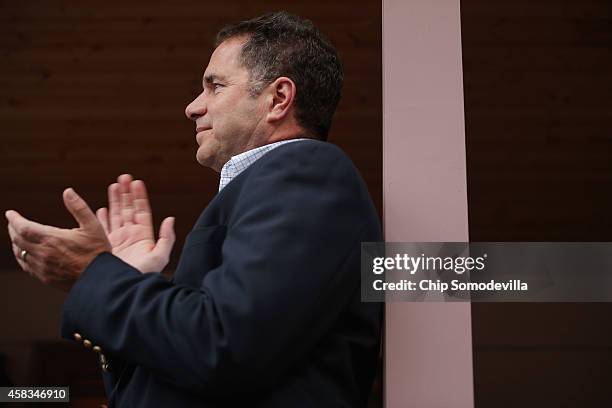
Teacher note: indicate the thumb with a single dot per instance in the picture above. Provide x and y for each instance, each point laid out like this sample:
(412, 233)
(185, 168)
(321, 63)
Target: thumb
(166, 239)
(79, 209)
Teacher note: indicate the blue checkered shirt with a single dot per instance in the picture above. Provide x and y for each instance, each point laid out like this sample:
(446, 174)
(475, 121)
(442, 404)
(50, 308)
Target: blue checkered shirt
(239, 163)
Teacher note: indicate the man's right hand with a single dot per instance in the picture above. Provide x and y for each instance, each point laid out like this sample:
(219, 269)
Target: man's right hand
(128, 223)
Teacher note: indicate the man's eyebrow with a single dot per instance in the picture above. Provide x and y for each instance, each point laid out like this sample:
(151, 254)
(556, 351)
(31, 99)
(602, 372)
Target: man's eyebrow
(210, 78)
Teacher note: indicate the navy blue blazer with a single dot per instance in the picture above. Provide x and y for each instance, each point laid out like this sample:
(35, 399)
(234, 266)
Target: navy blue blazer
(264, 308)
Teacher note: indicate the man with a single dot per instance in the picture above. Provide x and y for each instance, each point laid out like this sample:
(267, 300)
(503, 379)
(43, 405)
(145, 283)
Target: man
(264, 308)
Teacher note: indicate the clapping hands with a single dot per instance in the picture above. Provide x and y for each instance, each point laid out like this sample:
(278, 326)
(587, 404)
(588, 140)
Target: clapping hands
(128, 223)
(58, 256)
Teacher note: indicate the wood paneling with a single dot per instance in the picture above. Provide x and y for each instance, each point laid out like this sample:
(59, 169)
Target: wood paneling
(542, 377)
(89, 91)
(538, 126)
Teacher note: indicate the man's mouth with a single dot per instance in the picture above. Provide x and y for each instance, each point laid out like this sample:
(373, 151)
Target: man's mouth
(199, 134)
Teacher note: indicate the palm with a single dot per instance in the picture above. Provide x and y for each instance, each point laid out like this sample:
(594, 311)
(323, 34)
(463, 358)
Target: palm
(128, 223)
(132, 241)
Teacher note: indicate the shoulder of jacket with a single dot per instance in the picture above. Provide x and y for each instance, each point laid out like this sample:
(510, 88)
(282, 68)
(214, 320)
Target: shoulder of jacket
(294, 152)
(306, 161)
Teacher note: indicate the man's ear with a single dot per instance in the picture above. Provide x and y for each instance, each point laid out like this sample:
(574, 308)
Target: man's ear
(283, 93)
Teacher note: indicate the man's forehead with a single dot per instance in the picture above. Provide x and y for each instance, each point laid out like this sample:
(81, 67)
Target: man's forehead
(224, 60)
(227, 52)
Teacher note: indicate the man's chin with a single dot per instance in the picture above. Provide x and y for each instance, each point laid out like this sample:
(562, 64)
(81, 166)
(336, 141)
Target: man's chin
(207, 160)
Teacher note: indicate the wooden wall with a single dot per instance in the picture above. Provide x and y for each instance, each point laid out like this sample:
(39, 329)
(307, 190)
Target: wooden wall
(537, 82)
(89, 90)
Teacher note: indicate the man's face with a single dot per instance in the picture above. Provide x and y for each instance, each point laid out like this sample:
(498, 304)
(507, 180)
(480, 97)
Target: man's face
(227, 118)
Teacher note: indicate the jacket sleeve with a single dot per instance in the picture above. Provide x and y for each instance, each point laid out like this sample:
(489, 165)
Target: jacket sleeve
(288, 271)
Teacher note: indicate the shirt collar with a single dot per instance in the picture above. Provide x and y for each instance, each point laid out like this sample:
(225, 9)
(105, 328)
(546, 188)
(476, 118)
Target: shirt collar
(239, 163)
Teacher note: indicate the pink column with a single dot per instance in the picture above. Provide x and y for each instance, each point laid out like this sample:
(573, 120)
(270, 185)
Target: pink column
(428, 346)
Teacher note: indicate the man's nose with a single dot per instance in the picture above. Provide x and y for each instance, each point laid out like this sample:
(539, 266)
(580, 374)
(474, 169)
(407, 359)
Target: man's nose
(196, 108)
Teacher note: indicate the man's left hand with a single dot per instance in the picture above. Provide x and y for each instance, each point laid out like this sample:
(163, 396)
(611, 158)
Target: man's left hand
(58, 256)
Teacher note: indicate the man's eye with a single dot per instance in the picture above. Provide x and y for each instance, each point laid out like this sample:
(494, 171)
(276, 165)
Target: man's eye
(216, 87)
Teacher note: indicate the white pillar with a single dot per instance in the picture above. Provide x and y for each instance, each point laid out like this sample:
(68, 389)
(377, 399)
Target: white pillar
(428, 346)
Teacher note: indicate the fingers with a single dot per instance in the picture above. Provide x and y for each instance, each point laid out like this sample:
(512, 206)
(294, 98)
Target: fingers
(79, 209)
(19, 245)
(27, 235)
(163, 246)
(19, 259)
(102, 215)
(126, 199)
(27, 231)
(114, 207)
(30, 264)
(128, 203)
(142, 214)
(166, 229)
(20, 242)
